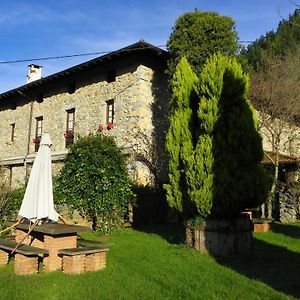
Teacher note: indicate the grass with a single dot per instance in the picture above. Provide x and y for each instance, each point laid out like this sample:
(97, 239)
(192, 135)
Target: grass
(152, 264)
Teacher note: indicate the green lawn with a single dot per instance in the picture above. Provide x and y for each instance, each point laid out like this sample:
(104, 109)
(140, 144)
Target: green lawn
(152, 264)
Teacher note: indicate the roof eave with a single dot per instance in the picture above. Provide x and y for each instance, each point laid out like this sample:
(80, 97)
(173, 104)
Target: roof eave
(138, 46)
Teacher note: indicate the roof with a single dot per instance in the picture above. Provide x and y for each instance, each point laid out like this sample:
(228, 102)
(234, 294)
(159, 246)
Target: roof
(139, 47)
(283, 158)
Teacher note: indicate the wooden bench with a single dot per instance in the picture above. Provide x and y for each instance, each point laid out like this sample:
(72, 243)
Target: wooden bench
(26, 257)
(81, 259)
(87, 243)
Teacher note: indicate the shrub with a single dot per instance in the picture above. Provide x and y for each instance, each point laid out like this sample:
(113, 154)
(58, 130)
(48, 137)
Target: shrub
(12, 203)
(94, 181)
(10, 199)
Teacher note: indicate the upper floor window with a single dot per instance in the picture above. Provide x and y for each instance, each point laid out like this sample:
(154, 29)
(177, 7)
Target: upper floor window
(111, 76)
(12, 130)
(40, 98)
(69, 135)
(72, 88)
(110, 111)
(38, 132)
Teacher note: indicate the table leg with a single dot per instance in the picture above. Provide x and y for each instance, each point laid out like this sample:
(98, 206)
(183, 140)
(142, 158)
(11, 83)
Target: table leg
(53, 244)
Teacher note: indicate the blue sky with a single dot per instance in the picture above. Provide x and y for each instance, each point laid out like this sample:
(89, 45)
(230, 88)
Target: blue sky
(42, 28)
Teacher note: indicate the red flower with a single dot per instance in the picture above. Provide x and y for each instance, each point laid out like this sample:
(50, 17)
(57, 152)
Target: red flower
(109, 126)
(100, 128)
(34, 140)
(65, 135)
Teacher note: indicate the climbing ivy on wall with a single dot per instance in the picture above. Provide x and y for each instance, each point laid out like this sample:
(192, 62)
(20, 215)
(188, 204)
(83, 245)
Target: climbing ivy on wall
(94, 180)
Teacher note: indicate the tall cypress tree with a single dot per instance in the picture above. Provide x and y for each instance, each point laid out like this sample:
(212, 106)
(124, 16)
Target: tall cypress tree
(214, 147)
(179, 140)
(227, 176)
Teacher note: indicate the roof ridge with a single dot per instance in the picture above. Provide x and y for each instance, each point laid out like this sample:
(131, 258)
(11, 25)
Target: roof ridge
(138, 46)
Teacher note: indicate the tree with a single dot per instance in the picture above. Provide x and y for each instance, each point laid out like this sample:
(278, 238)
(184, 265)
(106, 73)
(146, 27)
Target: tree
(227, 176)
(275, 88)
(283, 41)
(214, 160)
(197, 35)
(275, 94)
(179, 140)
(94, 181)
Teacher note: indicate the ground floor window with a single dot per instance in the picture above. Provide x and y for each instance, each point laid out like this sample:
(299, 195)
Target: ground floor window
(38, 132)
(69, 135)
(110, 111)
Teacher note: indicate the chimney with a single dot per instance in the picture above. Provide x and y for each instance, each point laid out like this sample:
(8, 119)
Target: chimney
(34, 73)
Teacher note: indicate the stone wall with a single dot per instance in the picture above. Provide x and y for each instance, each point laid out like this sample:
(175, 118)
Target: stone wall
(289, 203)
(288, 197)
(280, 136)
(277, 132)
(140, 97)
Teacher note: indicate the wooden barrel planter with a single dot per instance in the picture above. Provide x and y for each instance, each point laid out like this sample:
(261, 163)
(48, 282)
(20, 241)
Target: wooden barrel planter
(221, 237)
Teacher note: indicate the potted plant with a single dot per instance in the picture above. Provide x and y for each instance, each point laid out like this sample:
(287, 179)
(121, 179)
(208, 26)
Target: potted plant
(214, 169)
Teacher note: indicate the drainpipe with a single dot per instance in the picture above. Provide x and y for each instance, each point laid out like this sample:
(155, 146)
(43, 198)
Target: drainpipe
(29, 133)
(28, 139)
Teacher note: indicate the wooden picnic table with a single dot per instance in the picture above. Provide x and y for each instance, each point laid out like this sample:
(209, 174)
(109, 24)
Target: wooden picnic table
(52, 237)
(54, 228)
(57, 245)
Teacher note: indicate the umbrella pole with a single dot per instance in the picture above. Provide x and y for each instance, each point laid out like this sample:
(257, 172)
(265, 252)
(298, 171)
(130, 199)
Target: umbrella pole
(11, 227)
(66, 223)
(29, 231)
(63, 220)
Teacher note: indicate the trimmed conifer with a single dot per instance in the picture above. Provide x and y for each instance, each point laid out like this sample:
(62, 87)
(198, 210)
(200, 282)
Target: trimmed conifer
(179, 140)
(227, 175)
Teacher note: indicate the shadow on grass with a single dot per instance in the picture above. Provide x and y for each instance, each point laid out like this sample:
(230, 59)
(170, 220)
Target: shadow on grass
(172, 233)
(275, 266)
(288, 230)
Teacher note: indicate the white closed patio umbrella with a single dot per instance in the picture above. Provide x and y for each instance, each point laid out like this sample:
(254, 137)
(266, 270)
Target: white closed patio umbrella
(38, 199)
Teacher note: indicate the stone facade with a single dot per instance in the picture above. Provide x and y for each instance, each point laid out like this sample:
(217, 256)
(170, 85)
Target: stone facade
(279, 135)
(138, 88)
(134, 78)
(289, 202)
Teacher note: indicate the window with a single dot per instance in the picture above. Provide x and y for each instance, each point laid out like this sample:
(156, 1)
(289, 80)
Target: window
(111, 76)
(72, 88)
(38, 132)
(12, 130)
(70, 127)
(110, 111)
(40, 98)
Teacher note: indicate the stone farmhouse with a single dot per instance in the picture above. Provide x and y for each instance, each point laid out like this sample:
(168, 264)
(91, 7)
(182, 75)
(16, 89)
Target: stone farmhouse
(123, 93)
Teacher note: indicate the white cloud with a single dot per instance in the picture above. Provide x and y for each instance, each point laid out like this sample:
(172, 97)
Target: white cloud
(35, 14)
